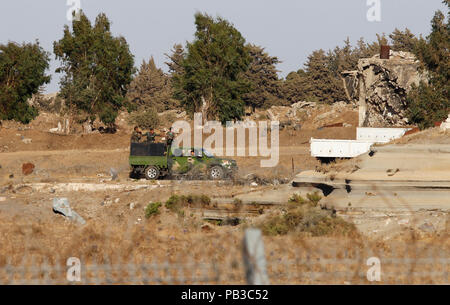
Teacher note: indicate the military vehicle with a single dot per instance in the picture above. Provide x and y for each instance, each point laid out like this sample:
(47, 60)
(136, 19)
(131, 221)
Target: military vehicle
(156, 160)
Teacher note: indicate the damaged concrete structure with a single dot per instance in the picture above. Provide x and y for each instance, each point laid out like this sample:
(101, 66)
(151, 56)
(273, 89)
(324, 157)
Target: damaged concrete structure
(380, 87)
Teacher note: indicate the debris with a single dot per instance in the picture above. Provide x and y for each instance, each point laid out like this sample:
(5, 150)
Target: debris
(132, 205)
(26, 141)
(117, 200)
(27, 168)
(61, 206)
(2, 199)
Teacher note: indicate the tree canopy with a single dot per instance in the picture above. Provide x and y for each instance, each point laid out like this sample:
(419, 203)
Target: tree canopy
(213, 68)
(151, 88)
(430, 103)
(22, 73)
(97, 68)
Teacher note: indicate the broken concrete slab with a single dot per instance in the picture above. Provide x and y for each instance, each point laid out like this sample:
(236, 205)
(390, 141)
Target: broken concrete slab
(61, 206)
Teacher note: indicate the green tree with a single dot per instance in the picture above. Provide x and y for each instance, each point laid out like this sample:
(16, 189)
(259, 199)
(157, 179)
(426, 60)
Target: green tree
(322, 85)
(22, 73)
(213, 79)
(293, 86)
(403, 40)
(430, 102)
(151, 88)
(97, 68)
(263, 77)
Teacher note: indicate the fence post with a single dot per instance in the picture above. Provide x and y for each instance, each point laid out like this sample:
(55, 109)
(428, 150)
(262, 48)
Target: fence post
(254, 258)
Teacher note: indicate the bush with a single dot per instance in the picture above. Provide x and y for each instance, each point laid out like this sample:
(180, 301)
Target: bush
(307, 219)
(147, 118)
(305, 216)
(152, 209)
(175, 203)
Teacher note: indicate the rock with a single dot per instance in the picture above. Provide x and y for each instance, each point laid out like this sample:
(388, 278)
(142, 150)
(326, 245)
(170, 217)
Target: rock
(27, 168)
(2, 199)
(254, 184)
(181, 115)
(114, 174)
(61, 206)
(26, 141)
(132, 206)
(206, 228)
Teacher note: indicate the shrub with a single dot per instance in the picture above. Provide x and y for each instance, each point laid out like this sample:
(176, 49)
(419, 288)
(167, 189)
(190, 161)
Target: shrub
(305, 216)
(152, 209)
(175, 203)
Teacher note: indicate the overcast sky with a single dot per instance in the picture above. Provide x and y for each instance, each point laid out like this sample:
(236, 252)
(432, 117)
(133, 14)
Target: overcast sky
(289, 29)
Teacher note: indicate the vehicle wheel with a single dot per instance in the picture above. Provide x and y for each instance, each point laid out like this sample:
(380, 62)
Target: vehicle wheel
(216, 173)
(152, 173)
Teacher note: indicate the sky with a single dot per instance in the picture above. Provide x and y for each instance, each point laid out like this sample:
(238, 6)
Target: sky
(288, 29)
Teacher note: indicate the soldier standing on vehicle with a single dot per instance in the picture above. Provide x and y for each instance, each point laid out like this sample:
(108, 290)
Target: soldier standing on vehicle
(151, 135)
(169, 137)
(136, 135)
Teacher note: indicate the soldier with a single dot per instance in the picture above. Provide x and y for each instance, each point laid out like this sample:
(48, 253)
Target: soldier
(136, 135)
(169, 137)
(151, 136)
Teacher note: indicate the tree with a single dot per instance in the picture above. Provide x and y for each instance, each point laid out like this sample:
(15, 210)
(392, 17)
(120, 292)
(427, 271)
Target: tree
(403, 40)
(97, 68)
(263, 78)
(22, 73)
(213, 70)
(293, 86)
(322, 85)
(151, 88)
(430, 102)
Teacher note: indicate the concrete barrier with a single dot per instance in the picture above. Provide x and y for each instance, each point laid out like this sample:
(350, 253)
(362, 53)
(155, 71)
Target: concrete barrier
(379, 135)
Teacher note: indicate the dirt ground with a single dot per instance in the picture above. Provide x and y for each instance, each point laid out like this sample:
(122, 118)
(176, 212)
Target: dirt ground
(77, 167)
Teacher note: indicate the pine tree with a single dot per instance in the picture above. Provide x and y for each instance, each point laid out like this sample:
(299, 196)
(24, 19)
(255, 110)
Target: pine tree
(403, 40)
(430, 103)
(263, 77)
(151, 88)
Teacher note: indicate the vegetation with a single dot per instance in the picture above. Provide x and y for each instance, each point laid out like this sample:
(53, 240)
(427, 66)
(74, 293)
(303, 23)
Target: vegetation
(304, 216)
(152, 209)
(151, 88)
(97, 68)
(175, 203)
(263, 78)
(212, 79)
(22, 73)
(430, 103)
(145, 118)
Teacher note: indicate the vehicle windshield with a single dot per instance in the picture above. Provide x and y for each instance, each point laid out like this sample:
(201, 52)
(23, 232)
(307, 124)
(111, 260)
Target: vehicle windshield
(208, 154)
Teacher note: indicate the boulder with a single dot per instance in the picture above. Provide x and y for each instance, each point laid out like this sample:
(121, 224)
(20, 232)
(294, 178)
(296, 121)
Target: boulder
(61, 206)
(27, 168)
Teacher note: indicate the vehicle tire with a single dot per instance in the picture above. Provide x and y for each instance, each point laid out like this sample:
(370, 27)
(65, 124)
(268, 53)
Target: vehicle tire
(216, 173)
(151, 173)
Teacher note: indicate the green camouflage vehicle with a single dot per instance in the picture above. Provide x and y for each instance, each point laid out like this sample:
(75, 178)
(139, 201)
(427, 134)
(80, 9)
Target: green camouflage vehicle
(156, 161)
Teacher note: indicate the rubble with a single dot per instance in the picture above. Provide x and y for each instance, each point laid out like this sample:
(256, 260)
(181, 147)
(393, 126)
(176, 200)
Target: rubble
(380, 87)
